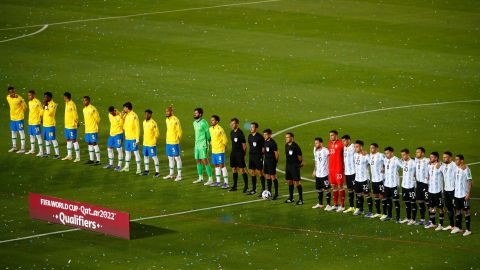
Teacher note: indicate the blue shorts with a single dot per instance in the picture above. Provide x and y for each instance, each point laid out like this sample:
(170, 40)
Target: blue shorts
(70, 133)
(49, 133)
(16, 125)
(149, 151)
(218, 159)
(115, 141)
(34, 130)
(91, 137)
(173, 150)
(130, 146)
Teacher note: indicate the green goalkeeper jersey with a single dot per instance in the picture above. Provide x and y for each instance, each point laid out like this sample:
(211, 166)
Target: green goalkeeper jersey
(202, 135)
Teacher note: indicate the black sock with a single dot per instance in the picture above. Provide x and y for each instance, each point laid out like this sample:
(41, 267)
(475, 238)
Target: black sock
(389, 207)
(300, 193)
(441, 216)
(351, 197)
(320, 197)
(262, 180)
(328, 197)
(451, 219)
(413, 205)
(370, 204)
(290, 191)
(432, 217)
(269, 185)
(377, 205)
(458, 221)
(254, 183)
(235, 179)
(360, 202)
(421, 207)
(245, 180)
(397, 208)
(467, 221)
(384, 206)
(408, 209)
(275, 184)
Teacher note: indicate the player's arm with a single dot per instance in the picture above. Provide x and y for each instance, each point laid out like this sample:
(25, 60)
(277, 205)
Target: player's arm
(136, 129)
(156, 131)
(179, 130)
(224, 139)
(470, 184)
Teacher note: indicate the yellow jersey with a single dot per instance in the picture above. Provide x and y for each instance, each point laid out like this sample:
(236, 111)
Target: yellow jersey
(35, 110)
(131, 126)
(17, 107)
(116, 124)
(49, 112)
(218, 139)
(150, 133)
(71, 115)
(174, 130)
(91, 118)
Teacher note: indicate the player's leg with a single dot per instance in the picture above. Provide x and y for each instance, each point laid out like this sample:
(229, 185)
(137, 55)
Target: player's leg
(298, 184)
(178, 162)
(289, 177)
(111, 156)
(146, 160)
(388, 201)
(156, 162)
(224, 172)
(21, 132)
(96, 148)
(358, 191)
(458, 215)
(138, 159)
(38, 135)
(13, 129)
(253, 174)
(128, 156)
(408, 209)
(351, 194)
(450, 210)
(76, 147)
(120, 157)
(420, 194)
(319, 189)
(466, 212)
(53, 138)
(31, 136)
(432, 213)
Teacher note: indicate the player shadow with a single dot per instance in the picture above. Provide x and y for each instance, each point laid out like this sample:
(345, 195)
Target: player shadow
(139, 231)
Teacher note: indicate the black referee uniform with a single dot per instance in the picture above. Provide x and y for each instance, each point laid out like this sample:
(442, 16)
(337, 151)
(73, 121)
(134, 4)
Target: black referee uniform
(255, 158)
(237, 157)
(292, 169)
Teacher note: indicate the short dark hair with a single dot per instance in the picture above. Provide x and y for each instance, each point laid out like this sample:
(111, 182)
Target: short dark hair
(86, 97)
(128, 105)
(235, 120)
(319, 139)
(216, 117)
(374, 144)
(291, 134)
(32, 92)
(448, 153)
(48, 94)
(359, 142)
(199, 110)
(255, 124)
(67, 95)
(346, 137)
(435, 154)
(388, 148)
(268, 131)
(10, 88)
(421, 149)
(111, 109)
(148, 111)
(460, 156)
(334, 131)
(405, 150)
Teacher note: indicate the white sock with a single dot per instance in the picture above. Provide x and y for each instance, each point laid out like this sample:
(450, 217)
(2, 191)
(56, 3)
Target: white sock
(32, 143)
(55, 147)
(128, 156)
(138, 159)
(171, 164)
(22, 139)
(146, 161)
(110, 156)
(179, 165)
(40, 143)
(157, 164)
(14, 139)
(76, 146)
(47, 147)
(225, 175)
(120, 156)
(91, 152)
(69, 148)
(218, 173)
(97, 151)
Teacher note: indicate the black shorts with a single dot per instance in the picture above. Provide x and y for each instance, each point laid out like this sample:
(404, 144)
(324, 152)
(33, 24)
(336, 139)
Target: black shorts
(255, 162)
(237, 160)
(270, 167)
(449, 199)
(435, 199)
(350, 181)
(362, 187)
(408, 194)
(322, 183)
(392, 193)
(292, 172)
(378, 187)
(422, 192)
(461, 203)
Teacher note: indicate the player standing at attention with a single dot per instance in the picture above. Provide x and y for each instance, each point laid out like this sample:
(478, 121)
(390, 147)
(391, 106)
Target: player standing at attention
(335, 167)
(70, 129)
(49, 130)
(17, 115)
(408, 187)
(270, 162)
(362, 180)
(35, 112)
(174, 135)
(150, 137)
(435, 191)
(392, 181)
(255, 157)
(320, 172)
(115, 139)
(449, 173)
(202, 139)
(348, 161)
(378, 176)
(294, 161)
(219, 144)
(92, 119)
(131, 127)
(237, 155)
(421, 173)
(463, 192)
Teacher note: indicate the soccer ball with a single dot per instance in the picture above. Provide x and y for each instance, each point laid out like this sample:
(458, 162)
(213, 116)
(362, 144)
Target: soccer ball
(266, 194)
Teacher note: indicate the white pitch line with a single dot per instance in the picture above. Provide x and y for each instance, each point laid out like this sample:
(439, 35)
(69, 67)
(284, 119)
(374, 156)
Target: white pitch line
(143, 14)
(27, 35)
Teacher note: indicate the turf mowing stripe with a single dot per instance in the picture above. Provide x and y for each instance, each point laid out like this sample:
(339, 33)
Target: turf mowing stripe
(27, 35)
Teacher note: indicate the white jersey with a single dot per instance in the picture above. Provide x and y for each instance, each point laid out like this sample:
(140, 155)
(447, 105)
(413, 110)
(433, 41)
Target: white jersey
(321, 161)
(463, 177)
(376, 167)
(392, 178)
(435, 178)
(348, 159)
(408, 175)
(361, 167)
(449, 176)
(422, 169)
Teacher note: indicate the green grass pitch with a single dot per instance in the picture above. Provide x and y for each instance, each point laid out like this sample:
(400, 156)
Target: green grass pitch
(281, 63)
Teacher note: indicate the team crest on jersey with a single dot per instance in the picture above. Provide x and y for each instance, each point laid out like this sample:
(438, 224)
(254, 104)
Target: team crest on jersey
(290, 152)
(267, 148)
(254, 144)
(235, 139)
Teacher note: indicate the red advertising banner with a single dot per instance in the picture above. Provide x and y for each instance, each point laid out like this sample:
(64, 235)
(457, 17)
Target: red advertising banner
(80, 215)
